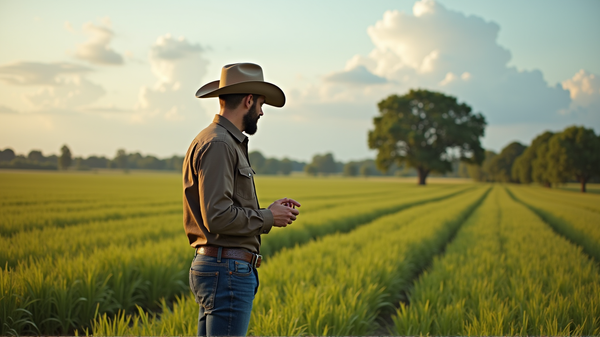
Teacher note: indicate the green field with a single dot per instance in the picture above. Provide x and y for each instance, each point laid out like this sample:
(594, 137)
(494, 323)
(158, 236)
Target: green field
(106, 254)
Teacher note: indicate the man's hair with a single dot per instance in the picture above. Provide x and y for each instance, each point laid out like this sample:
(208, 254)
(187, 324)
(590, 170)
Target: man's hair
(231, 101)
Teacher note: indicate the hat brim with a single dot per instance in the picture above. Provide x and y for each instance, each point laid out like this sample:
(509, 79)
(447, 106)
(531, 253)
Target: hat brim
(273, 95)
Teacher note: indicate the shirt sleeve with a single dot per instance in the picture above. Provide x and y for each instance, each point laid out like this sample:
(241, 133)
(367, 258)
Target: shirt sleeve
(216, 169)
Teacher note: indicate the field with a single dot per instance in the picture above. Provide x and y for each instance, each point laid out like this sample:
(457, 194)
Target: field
(106, 254)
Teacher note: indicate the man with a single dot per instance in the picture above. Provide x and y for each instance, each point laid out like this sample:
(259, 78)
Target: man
(221, 216)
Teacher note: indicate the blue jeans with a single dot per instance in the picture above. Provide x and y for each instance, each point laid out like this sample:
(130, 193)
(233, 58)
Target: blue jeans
(224, 289)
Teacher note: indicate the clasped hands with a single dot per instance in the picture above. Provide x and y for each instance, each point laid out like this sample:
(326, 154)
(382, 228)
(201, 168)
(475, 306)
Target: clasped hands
(284, 211)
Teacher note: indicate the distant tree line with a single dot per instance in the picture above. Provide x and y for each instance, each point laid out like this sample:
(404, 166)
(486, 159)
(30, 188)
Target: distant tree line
(551, 159)
(122, 160)
(264, 165)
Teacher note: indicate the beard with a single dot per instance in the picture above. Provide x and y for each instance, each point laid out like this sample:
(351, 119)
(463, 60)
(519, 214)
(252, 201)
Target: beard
(251, 120)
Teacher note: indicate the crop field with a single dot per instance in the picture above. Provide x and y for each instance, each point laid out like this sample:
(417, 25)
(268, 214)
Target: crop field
(106, 254)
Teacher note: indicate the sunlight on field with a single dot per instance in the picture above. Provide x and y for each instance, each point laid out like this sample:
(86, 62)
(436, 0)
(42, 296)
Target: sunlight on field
(105, 253)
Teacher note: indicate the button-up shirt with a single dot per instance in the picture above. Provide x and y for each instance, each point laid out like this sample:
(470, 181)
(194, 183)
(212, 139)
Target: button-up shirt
(220, 207)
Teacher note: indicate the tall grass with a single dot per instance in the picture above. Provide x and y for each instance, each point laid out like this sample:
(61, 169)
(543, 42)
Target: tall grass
(340, 283)
(60, 271)
(506, 273)
(576, 223)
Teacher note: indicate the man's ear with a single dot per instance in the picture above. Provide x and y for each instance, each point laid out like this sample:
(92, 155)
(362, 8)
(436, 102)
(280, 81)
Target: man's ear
(248, 100)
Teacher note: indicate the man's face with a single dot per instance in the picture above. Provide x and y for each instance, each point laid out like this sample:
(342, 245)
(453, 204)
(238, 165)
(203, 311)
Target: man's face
(251, 117)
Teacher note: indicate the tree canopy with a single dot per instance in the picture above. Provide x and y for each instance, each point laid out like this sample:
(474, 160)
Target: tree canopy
(574, 153)
(65, 159)
(426, 130)
(522, 170)
(501, 165)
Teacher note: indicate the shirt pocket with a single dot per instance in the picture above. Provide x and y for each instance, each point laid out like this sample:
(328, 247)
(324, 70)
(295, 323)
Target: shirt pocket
(244, 187)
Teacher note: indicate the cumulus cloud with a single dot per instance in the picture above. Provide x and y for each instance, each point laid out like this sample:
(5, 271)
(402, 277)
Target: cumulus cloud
(6, 110)
(60, 85)
(96, 49)
(584, 89)
(439, 49)
(356, 75)
(37, 73)
(72, 93)
(179, 67)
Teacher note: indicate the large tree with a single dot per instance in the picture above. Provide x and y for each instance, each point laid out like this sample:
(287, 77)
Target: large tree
(426, 130)
(501, 165)
(324, 163)
(522, 169)
(539, 166)
(482, 172)
(574, 153)
(65, 159)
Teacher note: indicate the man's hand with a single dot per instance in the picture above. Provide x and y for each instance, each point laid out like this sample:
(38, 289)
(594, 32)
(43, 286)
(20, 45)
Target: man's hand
(284, 212)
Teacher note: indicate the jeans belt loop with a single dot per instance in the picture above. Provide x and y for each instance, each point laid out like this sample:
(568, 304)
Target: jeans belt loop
(219, 254)
(255, 259)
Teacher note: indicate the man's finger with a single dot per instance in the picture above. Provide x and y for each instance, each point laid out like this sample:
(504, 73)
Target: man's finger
(294, 202)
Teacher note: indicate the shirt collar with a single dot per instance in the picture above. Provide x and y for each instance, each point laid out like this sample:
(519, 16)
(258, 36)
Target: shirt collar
(233, 130)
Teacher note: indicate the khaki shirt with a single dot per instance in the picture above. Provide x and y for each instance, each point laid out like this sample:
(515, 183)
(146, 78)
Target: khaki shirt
(220, 207)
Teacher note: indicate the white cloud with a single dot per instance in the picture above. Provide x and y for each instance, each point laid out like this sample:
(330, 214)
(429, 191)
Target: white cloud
(179, 68)
(439, 49)
(358, 75)
(60, 85)
(96, 49)
(7, 110)
(72, 93)
(37, 73)
(584, 89)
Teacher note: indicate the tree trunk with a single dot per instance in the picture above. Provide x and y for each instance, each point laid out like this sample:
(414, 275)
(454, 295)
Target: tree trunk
(583, 181)
(422, 175)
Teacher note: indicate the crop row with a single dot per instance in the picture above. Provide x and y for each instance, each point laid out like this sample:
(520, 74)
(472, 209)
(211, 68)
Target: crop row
(338, 284)
(577, 224)
(49, 242)
(506, 273)
(577, 199)
(110, 267)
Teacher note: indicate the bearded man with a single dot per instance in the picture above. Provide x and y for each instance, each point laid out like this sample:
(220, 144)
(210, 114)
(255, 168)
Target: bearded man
(221, 216)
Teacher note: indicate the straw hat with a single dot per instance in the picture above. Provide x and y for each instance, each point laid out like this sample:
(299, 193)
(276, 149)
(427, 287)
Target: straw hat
(243, 78)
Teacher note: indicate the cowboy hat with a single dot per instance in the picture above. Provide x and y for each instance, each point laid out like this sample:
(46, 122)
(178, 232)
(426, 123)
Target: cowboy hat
(243, 78)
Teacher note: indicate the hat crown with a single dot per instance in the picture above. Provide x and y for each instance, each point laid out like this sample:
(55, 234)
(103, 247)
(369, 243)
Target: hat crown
(240, 72)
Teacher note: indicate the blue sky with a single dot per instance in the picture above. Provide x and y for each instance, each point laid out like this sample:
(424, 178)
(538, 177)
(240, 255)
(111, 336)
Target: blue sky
(108, 75)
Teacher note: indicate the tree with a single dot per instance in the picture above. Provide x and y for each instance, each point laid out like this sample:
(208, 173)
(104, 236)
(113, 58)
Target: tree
(350, 169)
(365, 170)
(65, 159)
(271, 166)
(311, 169)
(323, 164)
(501, 165)
(36, 156)
(482, 172)
(257, 161)
(574, 153)
(427, 131)
(286, 166)
(7, 155)
(539, 166)
(522, 169)
(121, 159)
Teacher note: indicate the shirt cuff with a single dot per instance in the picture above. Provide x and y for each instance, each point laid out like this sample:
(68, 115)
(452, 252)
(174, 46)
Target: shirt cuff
(268, 220)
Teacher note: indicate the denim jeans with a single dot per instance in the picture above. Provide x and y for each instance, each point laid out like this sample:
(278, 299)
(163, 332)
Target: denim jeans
(224, 290)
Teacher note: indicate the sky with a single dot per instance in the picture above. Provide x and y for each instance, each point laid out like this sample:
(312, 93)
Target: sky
(101, 76)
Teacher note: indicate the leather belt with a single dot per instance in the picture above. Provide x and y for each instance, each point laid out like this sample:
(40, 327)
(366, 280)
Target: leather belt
(231, 253)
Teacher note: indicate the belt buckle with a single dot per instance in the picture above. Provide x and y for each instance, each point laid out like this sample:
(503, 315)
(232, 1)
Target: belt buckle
(256, 259)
